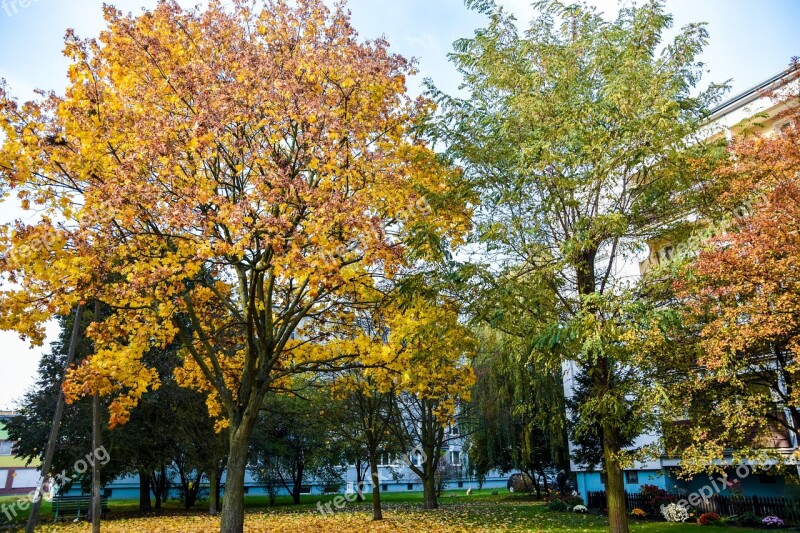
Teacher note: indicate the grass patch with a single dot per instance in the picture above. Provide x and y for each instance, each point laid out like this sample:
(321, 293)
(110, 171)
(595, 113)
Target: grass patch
(481, 512)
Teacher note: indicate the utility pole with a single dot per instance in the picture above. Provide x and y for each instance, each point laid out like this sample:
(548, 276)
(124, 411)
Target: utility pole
(97, 442)
(47, 463)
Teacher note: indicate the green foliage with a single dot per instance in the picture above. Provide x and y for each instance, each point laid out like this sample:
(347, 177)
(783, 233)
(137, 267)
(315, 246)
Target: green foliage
(580, 135)
(290, 444)
(170, 424)
(747, 519)
(557, 505)
(563, 502)
(517, 417)
(587, 435)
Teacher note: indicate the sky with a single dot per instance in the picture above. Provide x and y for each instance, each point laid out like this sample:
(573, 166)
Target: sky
(750, 40)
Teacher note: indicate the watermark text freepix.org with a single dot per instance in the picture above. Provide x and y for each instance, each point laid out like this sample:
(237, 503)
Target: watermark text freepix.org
(718, 484)
(339, 502)
(12, 7)
(81, 466)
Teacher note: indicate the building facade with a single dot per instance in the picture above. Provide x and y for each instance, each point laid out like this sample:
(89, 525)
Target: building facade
(16, 477)
(394, 475)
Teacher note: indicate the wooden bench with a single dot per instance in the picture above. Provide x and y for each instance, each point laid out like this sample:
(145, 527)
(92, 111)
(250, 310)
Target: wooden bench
(77, 505)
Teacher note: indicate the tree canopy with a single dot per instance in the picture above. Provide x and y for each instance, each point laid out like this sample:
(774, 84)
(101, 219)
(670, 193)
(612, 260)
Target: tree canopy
(579, 132)
(239, 178)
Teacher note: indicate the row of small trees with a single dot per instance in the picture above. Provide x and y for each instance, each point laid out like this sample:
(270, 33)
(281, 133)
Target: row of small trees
(169, 440)
(310, 435)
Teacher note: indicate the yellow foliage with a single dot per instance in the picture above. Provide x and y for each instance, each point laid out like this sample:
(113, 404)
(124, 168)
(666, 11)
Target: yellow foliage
(233, 179)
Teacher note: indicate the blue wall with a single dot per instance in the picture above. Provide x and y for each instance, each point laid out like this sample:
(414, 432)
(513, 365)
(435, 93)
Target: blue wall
(128, 488)
(589, 482)
(752, 484)
(592, 482)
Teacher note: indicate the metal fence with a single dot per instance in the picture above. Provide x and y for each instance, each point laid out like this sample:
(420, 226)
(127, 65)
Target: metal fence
(787, 509)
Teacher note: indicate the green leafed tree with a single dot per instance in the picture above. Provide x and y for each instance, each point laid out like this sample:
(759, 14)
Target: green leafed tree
(290, 450)
(169, 428)
(579, 132)
(517, 413)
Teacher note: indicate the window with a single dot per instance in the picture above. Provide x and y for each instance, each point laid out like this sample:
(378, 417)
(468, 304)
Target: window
(454, 430)
(410, 486)
(460, 484)
(6, 447)
(632, 477)
(390, 458)
(384, 487)
(416, 458)
(455, 458)
(305, 489)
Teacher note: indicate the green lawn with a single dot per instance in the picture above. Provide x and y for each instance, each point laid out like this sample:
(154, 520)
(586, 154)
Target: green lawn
(480, 511)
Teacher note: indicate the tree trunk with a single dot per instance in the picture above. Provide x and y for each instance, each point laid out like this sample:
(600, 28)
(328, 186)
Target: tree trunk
(192, 489)
(233, 498)
(164, 484)
(158, 485)
(615, 487)
(144, 492)
(377, 511)
(359, 481)
(97, 442)
(218, 485)
(157, 493)
(612, 440)
(298, 484)
(213, 490)
(429, 486)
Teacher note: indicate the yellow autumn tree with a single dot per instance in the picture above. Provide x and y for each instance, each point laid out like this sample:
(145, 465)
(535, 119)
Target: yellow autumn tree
(435, 351)
(413, 380)
(241, 179)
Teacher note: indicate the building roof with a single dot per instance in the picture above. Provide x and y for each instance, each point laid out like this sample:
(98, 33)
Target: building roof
(756, 91)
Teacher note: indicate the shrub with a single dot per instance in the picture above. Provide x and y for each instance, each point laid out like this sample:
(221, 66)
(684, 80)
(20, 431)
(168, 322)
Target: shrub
(656, 496)
(659, 502)
(571, 500)
(639, 513)
(556, 504)
(772, 522)
(708, 518)
(747, 519)
(520, 482)
(563, 502)
(650, 490)
(674, 513)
